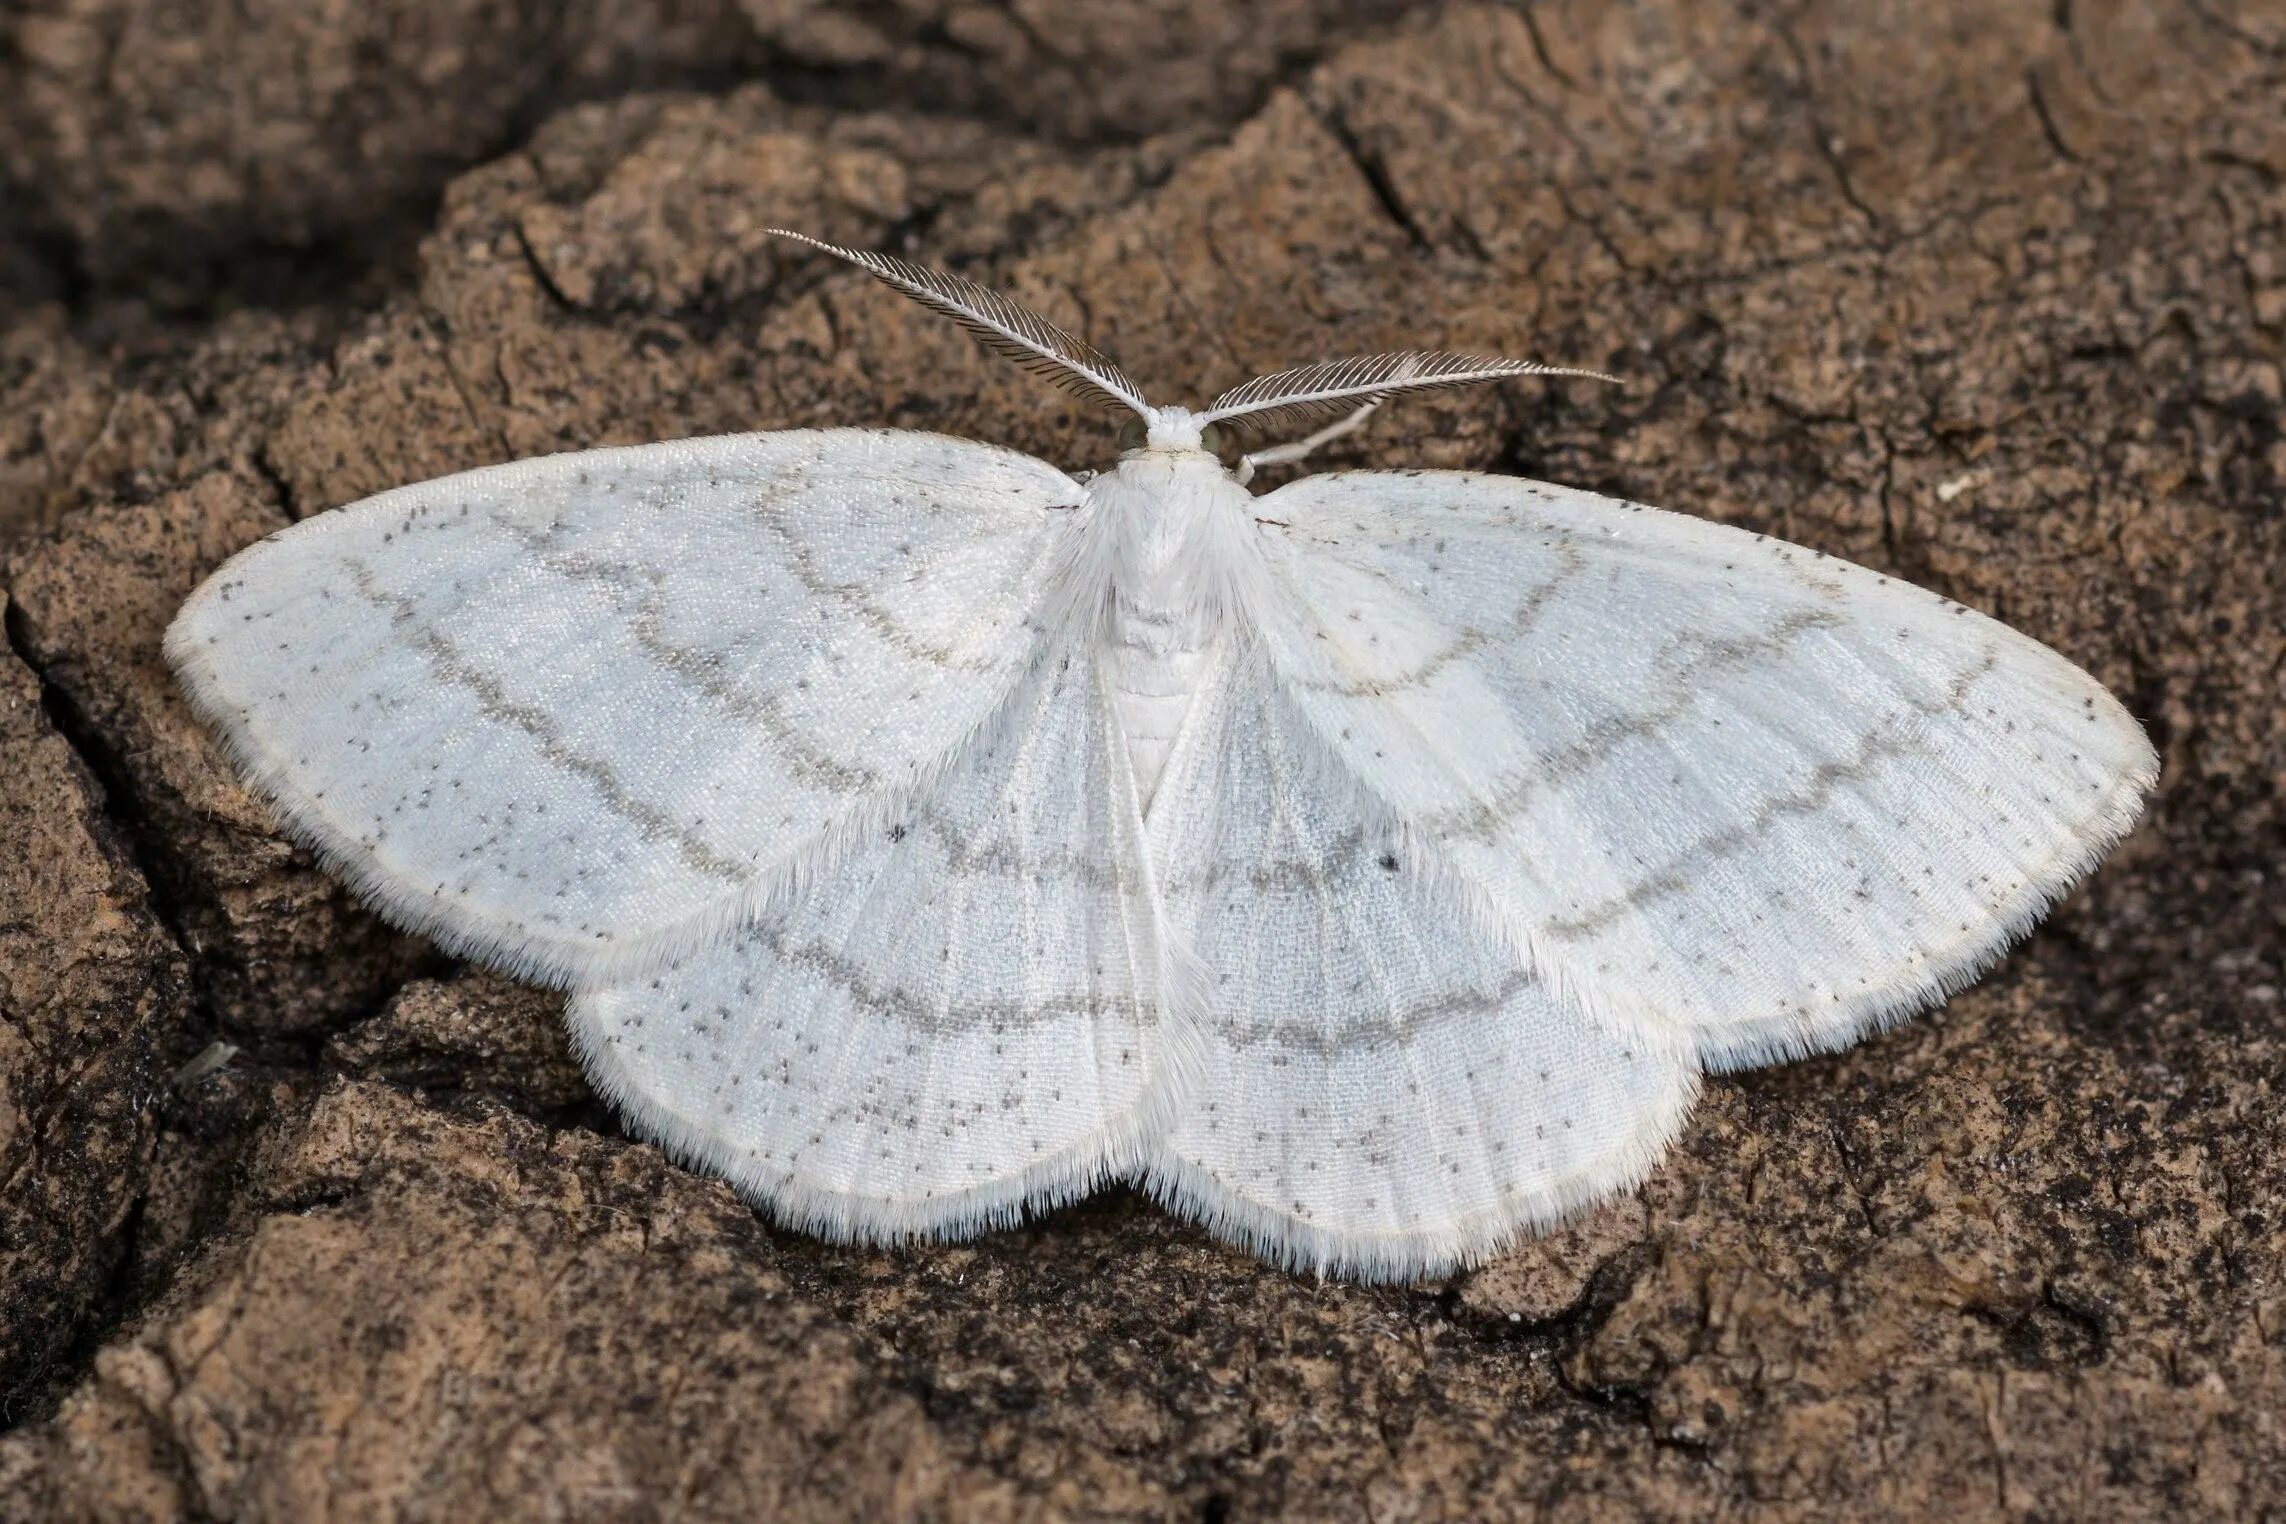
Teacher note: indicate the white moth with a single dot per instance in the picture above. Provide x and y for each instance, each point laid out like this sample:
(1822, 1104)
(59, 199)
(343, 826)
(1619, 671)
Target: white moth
(1369, 868)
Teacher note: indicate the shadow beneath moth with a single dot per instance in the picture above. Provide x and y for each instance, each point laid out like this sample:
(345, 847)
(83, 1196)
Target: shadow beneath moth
(1369, 869)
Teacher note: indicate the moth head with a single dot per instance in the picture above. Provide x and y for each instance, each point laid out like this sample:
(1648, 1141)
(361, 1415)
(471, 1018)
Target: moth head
(1172, 429)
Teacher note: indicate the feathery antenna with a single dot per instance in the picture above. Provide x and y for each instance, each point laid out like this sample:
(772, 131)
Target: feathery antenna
(1001, 325)
(1314, 391)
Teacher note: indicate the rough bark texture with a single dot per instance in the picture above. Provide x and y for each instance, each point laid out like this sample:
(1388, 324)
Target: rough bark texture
(1991, 297)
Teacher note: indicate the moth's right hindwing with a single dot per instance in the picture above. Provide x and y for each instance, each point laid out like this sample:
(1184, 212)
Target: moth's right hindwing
(1387, 1088)
(567, 713)
(1713, 781)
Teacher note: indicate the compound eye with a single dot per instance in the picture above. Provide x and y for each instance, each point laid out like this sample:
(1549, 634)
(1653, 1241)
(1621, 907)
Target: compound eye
(1131, 434)
(1215, 438)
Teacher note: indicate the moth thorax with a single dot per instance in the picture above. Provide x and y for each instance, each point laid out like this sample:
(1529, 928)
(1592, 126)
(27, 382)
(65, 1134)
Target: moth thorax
(1168, 602)
(1157, 664)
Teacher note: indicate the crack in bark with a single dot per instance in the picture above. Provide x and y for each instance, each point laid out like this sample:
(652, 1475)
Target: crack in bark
(1376, 175)
(119, 804)
(1530, 15)
(140, 850)
(2048, 127)
(1822, 137)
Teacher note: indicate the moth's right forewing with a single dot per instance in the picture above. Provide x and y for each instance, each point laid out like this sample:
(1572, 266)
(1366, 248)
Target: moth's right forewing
(1713, 781)
(567, 713)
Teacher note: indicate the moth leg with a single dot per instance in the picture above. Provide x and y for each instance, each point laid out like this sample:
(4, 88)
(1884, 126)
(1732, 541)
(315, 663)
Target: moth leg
(1287, 454)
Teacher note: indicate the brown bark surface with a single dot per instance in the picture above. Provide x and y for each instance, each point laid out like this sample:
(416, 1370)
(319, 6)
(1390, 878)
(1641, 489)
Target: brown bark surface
(300, 1221)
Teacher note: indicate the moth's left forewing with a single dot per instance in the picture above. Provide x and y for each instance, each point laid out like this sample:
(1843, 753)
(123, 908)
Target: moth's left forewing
(570, 713)
(1713, 780)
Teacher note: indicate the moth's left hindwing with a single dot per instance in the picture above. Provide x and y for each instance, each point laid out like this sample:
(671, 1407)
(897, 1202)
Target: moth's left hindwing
(955, 1016)
(568, 714)
(1714, 782)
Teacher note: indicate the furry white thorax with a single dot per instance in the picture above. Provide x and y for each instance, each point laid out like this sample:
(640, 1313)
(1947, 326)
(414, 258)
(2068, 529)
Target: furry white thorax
(1173, 525)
